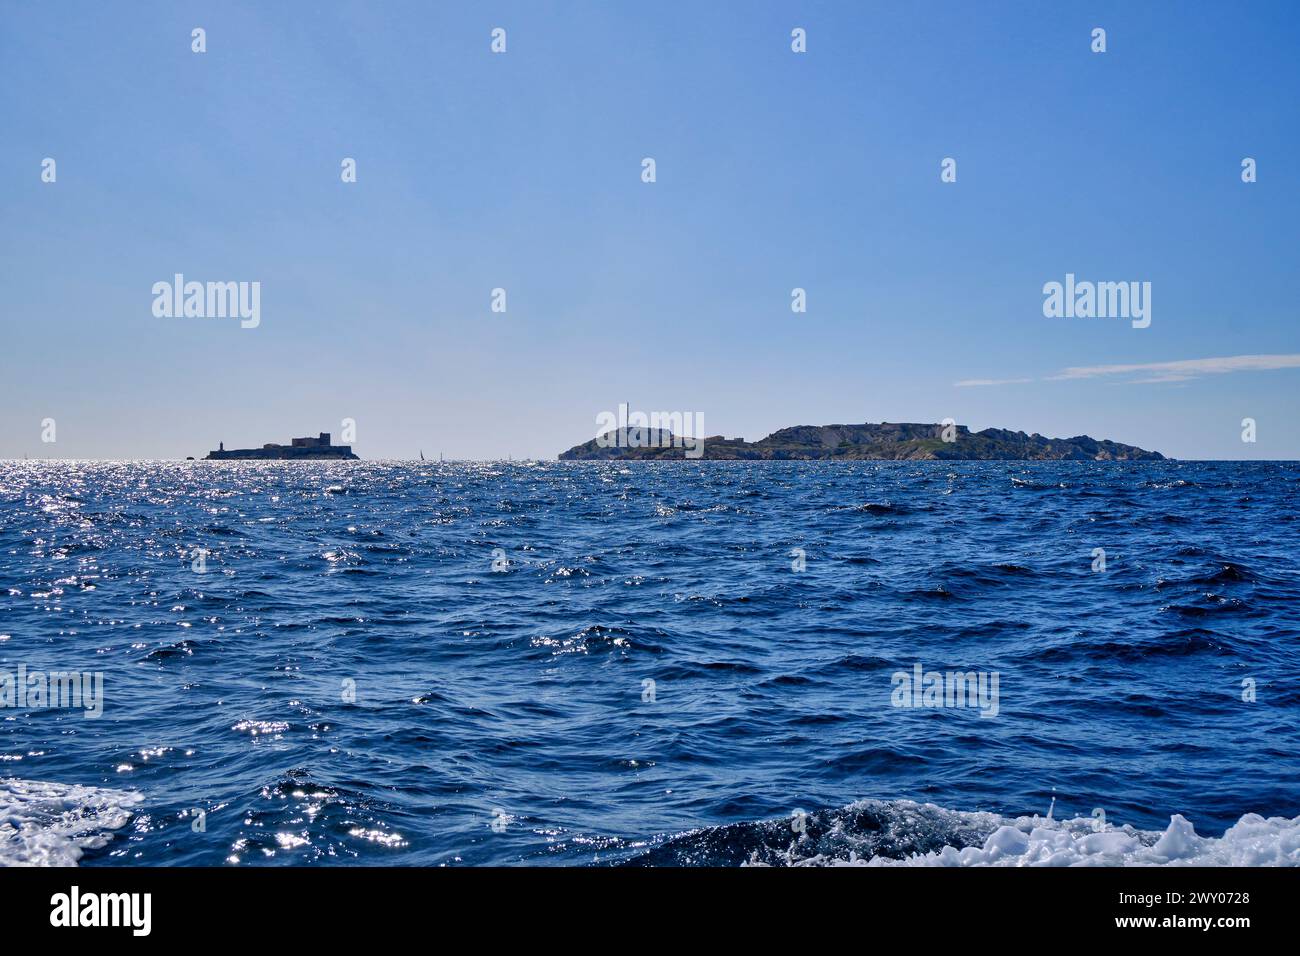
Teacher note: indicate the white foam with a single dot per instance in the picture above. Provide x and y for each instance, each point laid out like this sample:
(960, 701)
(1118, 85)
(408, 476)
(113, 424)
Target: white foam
(1033, 841)
(50, 824)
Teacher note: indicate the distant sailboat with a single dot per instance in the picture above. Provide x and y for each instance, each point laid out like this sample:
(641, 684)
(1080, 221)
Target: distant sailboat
(421, 454)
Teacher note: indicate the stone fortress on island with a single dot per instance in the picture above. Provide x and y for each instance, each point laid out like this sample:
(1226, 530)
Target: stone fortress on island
(302, 449)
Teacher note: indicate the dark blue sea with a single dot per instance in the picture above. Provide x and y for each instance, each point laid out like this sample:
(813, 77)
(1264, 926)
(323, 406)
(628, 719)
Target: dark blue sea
(683, 663)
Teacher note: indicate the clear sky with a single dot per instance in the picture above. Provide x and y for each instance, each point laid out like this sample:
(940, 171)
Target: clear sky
(523, 171)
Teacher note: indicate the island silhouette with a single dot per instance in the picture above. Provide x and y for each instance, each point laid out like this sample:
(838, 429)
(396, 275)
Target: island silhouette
(886, 441)
(300, 449)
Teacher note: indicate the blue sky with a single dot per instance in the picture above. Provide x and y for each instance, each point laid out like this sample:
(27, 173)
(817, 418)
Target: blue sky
(522, 170)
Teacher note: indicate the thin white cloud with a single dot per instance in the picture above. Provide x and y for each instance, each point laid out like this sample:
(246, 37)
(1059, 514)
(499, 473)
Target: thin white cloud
(1182, 370)
(1186, 368)
(991, 381)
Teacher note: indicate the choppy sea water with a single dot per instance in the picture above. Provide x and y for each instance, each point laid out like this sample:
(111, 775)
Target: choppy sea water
(383, 663)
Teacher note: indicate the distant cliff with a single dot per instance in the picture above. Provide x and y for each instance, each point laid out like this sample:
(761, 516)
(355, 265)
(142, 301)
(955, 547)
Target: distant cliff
(886, 441)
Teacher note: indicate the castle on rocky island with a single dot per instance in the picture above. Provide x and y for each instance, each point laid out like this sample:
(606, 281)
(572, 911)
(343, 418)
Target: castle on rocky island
(302, 449)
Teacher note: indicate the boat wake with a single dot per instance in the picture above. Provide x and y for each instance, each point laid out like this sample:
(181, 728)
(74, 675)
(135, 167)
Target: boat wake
(906, 833)
(50, 824)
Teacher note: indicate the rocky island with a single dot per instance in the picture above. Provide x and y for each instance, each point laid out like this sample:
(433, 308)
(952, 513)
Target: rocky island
(887, 441)
(301, 449)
